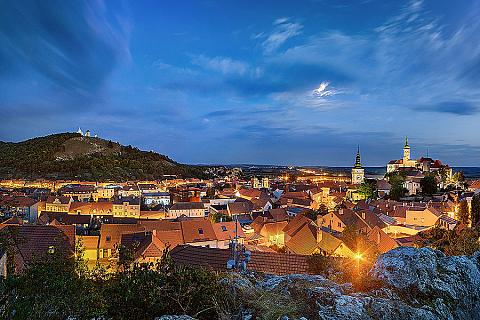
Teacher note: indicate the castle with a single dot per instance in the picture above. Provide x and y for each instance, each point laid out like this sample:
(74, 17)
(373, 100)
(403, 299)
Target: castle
(424, 164)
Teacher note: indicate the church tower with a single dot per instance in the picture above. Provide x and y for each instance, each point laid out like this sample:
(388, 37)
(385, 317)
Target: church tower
(358, 173)
(406, 151)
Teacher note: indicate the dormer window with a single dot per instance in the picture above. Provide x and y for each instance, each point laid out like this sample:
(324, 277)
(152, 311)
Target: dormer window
(108, 238)
(224, 228)
(200, 231)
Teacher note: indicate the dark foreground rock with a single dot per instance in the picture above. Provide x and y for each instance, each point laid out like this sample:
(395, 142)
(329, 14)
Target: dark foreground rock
(415, 284)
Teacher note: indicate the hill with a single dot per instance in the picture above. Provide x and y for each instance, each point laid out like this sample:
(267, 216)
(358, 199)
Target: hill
(73, 156)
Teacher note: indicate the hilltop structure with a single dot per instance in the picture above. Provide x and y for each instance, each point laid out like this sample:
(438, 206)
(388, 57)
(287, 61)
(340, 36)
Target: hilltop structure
(424, 164)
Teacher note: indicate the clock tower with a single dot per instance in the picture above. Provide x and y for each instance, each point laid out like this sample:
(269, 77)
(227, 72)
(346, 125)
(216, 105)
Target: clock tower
(358, 173)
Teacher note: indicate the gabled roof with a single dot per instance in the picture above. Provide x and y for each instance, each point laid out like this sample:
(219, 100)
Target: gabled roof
(296, 223)
(226, 230)
(279, 214)
(197, 231)
(61, 199)
(34, 241)
(239, 207)
(304, 241)
(383, 241)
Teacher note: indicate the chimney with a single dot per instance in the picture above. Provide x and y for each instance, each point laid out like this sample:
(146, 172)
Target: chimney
(154, 232)
(319, 234)
(363, 215)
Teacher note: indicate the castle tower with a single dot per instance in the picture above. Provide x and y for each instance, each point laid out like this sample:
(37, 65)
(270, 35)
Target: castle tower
(87, 133)
(358, 173)
(406, 151)
(265, 183)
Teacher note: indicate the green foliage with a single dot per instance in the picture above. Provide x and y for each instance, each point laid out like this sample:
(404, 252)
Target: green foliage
(463, 215)
(59, 288)
(368, 189)
(476, 210)
(37, 158)
(451, 242)
(429, 184)
(320, 263)
(397, 190)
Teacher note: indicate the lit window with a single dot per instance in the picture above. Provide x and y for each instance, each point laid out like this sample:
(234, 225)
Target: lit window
(51, 249)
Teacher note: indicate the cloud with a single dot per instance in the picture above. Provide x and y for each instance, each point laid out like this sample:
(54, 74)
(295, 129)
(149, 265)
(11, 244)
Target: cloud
(74, 44)
(283, 30)
(461, 108)
(223, 65)
(322, 91)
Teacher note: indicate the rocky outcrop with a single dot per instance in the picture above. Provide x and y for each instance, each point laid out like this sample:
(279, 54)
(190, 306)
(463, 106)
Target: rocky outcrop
(415, 284)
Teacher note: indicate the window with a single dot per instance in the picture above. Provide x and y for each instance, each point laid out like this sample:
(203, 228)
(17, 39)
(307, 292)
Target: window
(51, 249)
(108, 238)
(200, 231)
(224, 228)
(339, 224)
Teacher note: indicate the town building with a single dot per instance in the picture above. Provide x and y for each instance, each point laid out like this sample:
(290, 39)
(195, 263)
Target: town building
(358, 173)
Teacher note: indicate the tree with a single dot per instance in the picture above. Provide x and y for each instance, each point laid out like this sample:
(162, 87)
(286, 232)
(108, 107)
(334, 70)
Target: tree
(463, 214)
(368, 189)
(429, 185)
(396, 181)
(475, 213)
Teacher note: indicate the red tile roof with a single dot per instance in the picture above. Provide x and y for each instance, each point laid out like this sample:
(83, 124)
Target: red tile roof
(266, 262)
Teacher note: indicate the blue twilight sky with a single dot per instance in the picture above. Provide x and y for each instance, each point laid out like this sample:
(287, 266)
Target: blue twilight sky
(268, 82)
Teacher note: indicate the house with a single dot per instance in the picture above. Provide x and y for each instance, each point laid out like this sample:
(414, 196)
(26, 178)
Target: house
(188, 209)
(338, 221)
(80, 222)
(20, 206)
(239, 208)
(81, 193)
(104, 193)
(303, 240)
(110, 238)
(31, 242)
(58, 204)
(383, 188)
(332, 244)
(126, 207)
(446, 222)
(91, 208)
(156, 198)
(382, 240)
(144, 247)
(90, 248)
(129, 191)
(148, 188)
(227, 231)
(270, 232)
(199, 232)
(422, 216)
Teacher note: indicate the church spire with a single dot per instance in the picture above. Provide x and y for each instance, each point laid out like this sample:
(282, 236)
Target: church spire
(406, 142)
(357, 158)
